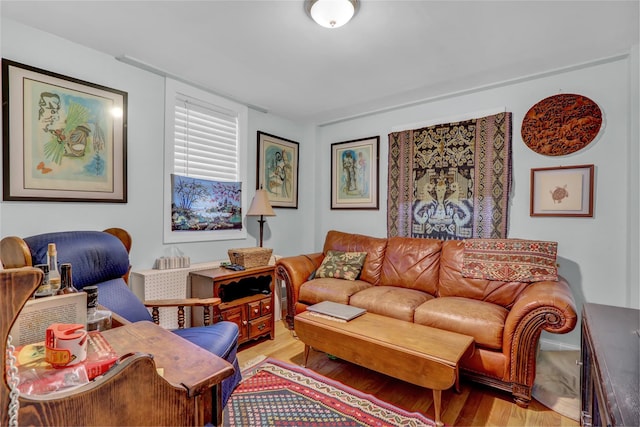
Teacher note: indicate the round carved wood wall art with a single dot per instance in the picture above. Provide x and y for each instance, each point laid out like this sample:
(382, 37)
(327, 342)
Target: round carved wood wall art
(561, 124)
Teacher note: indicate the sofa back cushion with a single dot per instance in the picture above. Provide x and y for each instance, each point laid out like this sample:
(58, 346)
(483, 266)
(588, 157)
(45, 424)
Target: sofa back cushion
(453, 284)
(374, 247)
(412, 263)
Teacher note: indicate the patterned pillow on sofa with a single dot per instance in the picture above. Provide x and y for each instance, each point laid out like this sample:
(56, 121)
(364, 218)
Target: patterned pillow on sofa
(510, 260)
(341, 265)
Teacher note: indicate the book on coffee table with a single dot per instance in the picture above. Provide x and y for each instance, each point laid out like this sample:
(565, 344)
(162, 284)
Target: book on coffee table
(335, 310)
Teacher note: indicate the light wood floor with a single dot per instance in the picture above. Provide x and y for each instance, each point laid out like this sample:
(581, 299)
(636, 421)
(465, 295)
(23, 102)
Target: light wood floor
(476, 405)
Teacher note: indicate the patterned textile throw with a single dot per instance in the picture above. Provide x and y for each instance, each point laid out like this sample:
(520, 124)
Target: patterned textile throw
(278, 394)
(341, 265)
(450, 181)
(510, 260)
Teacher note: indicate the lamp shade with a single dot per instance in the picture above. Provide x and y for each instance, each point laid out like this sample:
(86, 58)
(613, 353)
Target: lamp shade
(260, 204)
(331, 13)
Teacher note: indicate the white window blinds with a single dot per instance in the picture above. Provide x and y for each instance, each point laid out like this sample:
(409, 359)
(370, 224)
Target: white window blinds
(205, 140)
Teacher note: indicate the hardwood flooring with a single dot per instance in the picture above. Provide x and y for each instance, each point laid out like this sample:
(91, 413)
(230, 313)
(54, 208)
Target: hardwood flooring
(475, 405)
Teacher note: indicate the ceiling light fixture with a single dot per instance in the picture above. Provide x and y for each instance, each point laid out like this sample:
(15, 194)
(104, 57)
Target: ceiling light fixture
(331, 13)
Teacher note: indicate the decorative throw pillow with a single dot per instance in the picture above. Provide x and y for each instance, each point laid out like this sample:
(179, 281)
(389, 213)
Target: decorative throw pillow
(510, 260)
(341, 265)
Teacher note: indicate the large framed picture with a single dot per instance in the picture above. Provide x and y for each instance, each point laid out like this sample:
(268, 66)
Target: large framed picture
(278, 170)
(562, 191)
(354, 174)
(64, 139)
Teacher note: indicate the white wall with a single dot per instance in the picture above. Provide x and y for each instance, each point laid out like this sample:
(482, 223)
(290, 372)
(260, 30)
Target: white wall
(142, 215)
(592, 251)
(634, 180)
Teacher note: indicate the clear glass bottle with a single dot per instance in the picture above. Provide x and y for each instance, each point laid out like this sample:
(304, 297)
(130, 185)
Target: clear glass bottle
(66, 280)
(54, 274)
(44, 290)
(97, 320)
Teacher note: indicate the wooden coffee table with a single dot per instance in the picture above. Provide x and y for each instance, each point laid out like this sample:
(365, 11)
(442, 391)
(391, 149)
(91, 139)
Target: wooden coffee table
(421, 355)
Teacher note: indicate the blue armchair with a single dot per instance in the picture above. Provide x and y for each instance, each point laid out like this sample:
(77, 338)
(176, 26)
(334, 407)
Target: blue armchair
(102, 258)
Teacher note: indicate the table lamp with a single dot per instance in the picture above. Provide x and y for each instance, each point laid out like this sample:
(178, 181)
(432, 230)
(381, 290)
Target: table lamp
(260, 206)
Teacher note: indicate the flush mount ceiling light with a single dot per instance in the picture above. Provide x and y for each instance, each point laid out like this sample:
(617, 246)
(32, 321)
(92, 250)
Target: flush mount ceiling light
(331, 13)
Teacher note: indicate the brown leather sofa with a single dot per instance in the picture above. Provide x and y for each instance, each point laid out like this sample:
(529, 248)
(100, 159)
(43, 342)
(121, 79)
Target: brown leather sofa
(420, 280)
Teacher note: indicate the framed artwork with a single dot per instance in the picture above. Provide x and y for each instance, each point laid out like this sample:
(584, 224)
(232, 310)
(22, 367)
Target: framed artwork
(278, 170)
(63, 139)
(205, 205)
(562, 191)
(354, 174)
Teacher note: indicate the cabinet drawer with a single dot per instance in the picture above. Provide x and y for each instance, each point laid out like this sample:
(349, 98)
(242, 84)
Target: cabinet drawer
(265, 307)
(254, 309)
(260, 308)
(259, 327)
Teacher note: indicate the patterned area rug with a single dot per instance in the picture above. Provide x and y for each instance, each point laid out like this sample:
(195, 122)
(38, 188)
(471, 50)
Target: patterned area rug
(275, 393)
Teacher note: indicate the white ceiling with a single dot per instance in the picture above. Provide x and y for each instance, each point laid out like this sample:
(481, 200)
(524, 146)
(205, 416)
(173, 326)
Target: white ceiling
(270, 54)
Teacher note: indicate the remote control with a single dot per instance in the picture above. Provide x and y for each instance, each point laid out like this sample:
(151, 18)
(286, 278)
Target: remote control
(230, 266)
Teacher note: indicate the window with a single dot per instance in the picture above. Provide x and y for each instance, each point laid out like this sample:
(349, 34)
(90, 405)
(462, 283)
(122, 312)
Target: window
(205, 138)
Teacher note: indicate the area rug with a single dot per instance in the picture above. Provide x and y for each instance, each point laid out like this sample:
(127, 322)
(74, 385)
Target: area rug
(557, 383)
(274, 393)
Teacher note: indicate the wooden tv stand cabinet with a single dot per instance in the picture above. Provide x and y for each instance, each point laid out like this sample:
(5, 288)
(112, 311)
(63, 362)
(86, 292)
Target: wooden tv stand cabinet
(247, 298)
(610, 374)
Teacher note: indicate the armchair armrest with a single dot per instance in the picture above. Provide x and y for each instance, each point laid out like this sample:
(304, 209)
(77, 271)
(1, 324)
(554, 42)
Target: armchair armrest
(294, 271)
(540, 306)
(206, 303)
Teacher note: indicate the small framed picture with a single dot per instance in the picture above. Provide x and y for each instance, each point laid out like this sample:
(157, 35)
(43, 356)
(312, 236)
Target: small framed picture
(354, 174)
(278, 170)
(64, 139)
(562, 191)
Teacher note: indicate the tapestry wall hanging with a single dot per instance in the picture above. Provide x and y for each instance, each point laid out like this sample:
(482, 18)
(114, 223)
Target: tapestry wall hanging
(450, 181)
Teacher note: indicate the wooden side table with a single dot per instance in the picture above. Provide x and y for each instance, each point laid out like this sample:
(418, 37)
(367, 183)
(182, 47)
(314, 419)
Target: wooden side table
(247, 298)
(181, 363)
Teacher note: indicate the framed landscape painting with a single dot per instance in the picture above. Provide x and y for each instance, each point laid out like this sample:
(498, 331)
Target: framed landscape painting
(63, 139)
(278, 170)
(354, 174)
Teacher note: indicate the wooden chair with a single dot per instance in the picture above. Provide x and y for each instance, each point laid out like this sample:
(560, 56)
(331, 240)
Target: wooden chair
(101, 258)
(130, 393)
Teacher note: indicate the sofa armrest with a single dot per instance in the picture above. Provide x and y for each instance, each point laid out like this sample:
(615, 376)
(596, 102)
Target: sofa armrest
(547, 305)
(294, 271)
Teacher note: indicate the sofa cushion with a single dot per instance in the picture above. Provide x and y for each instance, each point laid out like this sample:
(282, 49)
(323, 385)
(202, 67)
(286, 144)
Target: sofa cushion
(341, 265)
(452, 284)
(328, 289)
(481, 320)
(412, 263)
(390, 301)
(510, 260)
(374, 247)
